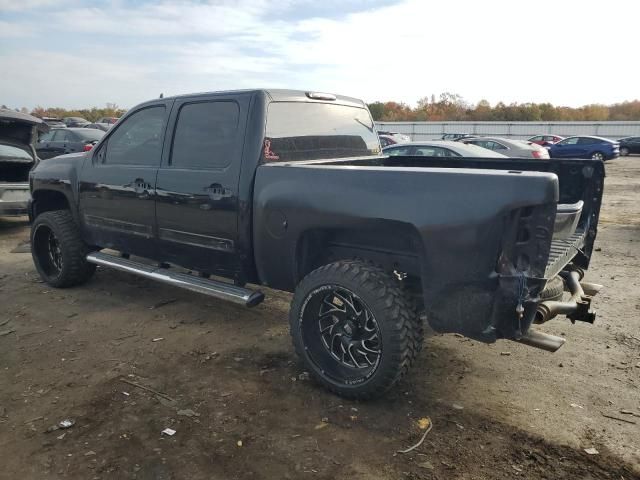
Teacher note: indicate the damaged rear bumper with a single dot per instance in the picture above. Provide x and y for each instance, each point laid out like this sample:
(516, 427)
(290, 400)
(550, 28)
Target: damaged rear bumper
(14, 198)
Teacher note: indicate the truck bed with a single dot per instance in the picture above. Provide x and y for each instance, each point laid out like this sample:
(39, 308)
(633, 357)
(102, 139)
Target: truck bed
(473, 230)
(581, 184)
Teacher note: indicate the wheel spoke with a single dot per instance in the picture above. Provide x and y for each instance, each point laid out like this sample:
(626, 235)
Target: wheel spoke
(348, 330)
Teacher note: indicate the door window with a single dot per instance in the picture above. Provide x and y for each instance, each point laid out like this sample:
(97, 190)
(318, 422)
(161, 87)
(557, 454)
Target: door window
(206, 135)
(138, 140)
(435, 152)
(569, 141)
(495, 146)
(397, 151)
(60, 135)
(586, 141)
(46, 137)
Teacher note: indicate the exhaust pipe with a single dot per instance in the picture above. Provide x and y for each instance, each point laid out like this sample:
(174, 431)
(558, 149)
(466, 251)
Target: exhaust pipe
(577, 307)
(544, 341)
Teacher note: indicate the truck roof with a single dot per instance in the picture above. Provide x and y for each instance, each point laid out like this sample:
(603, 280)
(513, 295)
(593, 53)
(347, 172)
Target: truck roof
(281, 95)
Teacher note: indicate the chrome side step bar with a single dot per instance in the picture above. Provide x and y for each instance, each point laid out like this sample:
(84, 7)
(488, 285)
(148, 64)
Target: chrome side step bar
(544, 341)
(213, 288)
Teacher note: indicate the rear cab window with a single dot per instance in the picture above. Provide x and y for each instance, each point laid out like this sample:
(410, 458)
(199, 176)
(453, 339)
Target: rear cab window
(315, 131)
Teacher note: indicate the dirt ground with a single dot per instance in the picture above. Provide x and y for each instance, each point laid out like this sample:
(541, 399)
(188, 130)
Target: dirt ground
(228, 383)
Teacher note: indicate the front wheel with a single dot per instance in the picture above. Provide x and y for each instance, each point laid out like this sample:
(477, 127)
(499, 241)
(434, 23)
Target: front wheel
(354, 328)
(597, 156)
(58, 251)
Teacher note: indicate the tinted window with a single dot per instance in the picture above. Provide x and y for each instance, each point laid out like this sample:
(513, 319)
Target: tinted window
(397, 151)
(496, 146)
(434, 152)
(59, 135)
(138, 140)
(47, 137)
(89, 134)
(488, 144)
(206, 135)
(308, 131)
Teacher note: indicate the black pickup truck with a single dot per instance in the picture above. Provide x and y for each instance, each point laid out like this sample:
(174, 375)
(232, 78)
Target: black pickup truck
(222, 191)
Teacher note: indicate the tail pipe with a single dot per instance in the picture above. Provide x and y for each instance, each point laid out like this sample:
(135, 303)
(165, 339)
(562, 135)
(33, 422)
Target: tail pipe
(575, 308)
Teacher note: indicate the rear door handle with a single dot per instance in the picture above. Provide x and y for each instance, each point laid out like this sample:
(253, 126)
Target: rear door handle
(215, 191)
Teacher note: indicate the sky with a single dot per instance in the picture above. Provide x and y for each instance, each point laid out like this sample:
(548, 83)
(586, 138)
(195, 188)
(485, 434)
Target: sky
(78, 54)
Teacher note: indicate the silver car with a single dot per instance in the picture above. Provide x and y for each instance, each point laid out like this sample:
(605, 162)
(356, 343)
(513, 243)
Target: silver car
(509, 147)
(440, 148)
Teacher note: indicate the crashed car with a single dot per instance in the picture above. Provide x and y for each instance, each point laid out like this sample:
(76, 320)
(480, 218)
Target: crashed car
(18, 134)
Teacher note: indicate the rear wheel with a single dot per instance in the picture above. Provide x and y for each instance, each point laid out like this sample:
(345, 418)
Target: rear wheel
(624, 151)
(597, 156)
(354, 328)
(58, 251)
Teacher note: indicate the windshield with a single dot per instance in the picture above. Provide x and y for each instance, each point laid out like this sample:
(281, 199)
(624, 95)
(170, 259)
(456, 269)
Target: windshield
(89, 134)
(312, 131)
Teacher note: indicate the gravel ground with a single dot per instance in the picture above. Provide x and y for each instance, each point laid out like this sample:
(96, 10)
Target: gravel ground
(227, 381)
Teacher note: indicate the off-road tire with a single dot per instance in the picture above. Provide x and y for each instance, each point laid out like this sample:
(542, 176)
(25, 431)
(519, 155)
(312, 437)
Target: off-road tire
(553, 290)
(75, 269)
(400, 329)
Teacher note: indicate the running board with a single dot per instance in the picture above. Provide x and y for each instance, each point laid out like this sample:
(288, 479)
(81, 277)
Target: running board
(544, 341)
(213, 288)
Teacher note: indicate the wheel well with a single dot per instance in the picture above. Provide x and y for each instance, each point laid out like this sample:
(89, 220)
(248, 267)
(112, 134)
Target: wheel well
(394, 246)
(49, 200)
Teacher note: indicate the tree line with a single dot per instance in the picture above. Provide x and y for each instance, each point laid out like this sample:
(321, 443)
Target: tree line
(92, 114)
(452, 107)
(446, 107)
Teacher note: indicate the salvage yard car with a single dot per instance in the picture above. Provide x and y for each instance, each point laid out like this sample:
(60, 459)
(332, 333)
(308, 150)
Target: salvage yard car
(441, 148)
(629, 145)
(289, 189)
(509, 147)
(18, 132)
(67, 140)
(597, 148)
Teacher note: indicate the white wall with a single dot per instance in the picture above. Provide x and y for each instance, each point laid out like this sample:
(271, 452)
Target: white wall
(432, 130)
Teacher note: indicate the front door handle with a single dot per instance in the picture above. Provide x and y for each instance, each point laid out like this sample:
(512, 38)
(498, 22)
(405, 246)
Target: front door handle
(140, 187)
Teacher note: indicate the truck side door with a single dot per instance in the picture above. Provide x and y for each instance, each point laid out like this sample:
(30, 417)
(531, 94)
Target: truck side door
(117, 182)
(197, 186)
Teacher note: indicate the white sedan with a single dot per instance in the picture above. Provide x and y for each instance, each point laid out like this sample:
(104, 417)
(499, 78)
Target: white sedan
(440, 148)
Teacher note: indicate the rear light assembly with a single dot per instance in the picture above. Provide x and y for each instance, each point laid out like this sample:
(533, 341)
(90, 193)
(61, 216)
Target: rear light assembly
(87, 147)
(537, 154)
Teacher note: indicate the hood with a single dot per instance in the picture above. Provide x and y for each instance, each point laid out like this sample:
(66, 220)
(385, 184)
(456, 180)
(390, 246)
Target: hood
(20, 128)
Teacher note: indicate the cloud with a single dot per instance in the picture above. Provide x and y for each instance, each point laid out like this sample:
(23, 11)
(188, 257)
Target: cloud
(377, 50)
(21, 5)
(12, 30)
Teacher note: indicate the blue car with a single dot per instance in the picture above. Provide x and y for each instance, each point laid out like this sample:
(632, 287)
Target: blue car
(597, 148)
